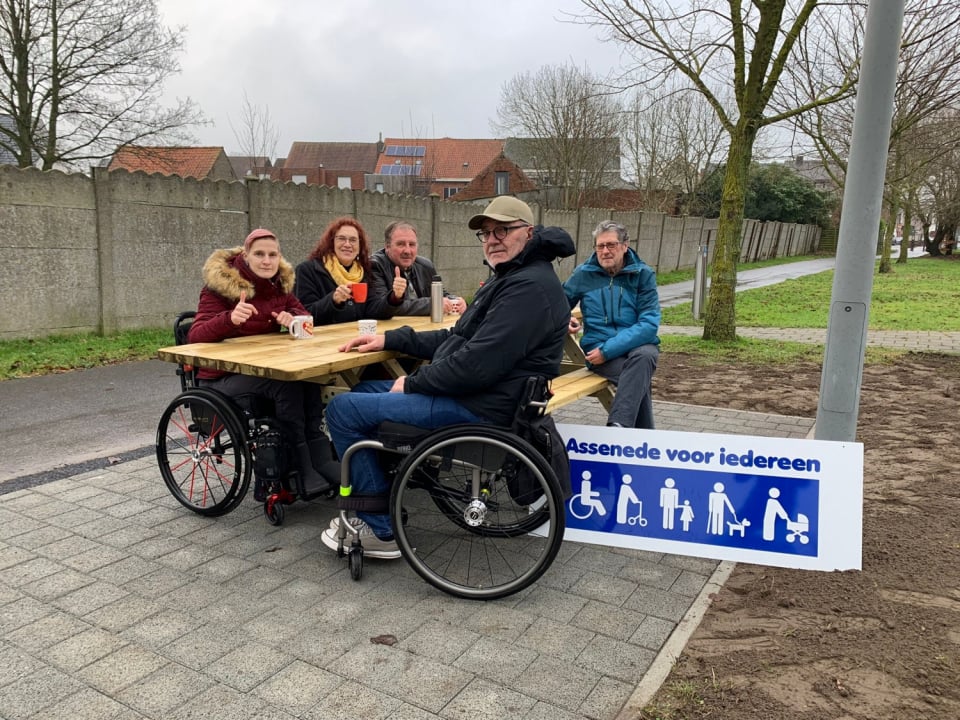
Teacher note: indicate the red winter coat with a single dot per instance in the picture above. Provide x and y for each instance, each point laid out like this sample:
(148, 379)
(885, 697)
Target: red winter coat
(225, 276)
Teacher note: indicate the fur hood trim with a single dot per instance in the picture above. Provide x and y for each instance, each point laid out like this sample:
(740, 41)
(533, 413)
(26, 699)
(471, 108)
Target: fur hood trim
(220, 275)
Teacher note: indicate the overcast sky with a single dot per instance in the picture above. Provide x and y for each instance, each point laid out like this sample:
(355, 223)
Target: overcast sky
(347, 70)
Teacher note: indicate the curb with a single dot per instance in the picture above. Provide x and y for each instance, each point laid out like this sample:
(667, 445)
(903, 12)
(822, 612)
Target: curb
(663, 663)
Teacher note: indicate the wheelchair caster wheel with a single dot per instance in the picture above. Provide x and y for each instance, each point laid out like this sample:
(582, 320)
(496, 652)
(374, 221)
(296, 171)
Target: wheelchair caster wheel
(355, 560)
(274, 513)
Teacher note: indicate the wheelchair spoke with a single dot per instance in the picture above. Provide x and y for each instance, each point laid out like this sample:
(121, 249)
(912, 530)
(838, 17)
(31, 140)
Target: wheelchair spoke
(482, 545)
(203, 454)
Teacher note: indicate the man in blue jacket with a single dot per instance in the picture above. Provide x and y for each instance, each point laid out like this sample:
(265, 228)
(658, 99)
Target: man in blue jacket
(514, 329)
(620, 307)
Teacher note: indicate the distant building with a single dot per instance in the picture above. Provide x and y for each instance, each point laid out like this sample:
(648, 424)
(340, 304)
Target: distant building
(445, 167)
(816, 172)
(8, 125)
(337, 164)
(203, 163)
(500, 177)
(430, 166)
(251, 166)
(603, 153)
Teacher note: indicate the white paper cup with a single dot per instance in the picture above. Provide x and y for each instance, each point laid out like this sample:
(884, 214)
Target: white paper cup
(367, 327)
(301, 327)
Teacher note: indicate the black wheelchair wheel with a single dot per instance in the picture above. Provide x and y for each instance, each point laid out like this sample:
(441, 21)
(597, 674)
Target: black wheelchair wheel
(464, 532)
(355, 561)
(274, 512)
(203, 453)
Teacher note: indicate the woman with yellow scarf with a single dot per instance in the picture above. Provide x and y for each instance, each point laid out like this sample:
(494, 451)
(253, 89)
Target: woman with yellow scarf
(325, 280)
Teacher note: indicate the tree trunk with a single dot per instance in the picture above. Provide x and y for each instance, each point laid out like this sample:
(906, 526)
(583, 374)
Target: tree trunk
(720, 320)
(907, 233)
(933, 244)
(886, 241)
(948, 239)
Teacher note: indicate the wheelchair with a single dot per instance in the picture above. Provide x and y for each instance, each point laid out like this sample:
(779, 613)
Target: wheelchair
(476, 510)
(209, 445)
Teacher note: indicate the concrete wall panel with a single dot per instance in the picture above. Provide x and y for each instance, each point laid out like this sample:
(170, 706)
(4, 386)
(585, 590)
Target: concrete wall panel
(125, 250)
(649, 239)
(690, 241)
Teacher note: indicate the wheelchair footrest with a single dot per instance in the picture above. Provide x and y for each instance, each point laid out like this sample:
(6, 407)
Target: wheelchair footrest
(365, 503)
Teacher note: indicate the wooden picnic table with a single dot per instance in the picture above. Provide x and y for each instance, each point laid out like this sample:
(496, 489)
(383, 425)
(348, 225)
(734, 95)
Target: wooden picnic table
(315, 359)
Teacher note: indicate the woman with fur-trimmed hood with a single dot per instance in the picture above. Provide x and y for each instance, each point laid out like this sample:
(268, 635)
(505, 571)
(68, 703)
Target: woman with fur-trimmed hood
(249, 291)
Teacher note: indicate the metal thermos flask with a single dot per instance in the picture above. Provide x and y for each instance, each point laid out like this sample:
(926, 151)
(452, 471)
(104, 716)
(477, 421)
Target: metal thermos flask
(436, 300)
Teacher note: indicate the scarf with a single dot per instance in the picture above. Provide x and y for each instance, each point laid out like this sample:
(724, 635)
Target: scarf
(340, 274)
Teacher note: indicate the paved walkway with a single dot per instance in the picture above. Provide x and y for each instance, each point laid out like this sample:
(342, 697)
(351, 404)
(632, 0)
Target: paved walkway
(915, 341)
(115, 602)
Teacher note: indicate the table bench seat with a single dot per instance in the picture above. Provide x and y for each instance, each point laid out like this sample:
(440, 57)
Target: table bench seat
(579, 384)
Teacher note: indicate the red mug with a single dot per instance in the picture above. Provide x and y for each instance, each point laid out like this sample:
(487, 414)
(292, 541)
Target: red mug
(359, 292)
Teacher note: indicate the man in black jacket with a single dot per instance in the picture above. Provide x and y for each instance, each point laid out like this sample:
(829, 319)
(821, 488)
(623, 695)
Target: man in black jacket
(514, 329)
(399, 272)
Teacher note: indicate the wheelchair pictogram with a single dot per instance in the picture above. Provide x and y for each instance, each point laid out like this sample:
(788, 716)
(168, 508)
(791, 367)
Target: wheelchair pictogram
(587, 501)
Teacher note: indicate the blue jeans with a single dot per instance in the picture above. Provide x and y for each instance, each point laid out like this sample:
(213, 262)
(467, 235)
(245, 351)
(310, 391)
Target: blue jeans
(632, 374)
(356, 415)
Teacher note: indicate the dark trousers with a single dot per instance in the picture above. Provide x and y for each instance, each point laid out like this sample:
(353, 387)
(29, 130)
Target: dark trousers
(298, 405)
(632, 374)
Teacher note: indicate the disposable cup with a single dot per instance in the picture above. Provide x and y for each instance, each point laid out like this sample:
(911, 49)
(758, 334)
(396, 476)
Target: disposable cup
(367, 327)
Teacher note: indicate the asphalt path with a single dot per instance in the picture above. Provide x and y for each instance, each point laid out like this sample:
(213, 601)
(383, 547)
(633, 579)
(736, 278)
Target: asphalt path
(60, 425)
(678, 293)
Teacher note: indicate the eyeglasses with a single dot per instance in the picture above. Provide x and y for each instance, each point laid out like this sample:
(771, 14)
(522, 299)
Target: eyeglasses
(499, 232)
(348, 240)
(605, 247)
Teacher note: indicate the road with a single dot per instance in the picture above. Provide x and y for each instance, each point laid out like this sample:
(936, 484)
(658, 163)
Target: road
(60, 425)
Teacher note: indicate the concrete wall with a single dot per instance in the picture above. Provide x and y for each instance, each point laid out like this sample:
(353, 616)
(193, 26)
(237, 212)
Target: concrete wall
(121, 251)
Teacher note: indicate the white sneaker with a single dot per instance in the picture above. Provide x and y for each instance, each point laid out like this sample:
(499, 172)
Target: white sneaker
(354, 521)
(373, 546)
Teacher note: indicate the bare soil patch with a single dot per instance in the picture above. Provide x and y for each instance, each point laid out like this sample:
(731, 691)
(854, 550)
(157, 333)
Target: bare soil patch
(877, 644)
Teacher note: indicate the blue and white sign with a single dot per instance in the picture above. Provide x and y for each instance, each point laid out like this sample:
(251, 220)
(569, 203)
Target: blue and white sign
(773, 501)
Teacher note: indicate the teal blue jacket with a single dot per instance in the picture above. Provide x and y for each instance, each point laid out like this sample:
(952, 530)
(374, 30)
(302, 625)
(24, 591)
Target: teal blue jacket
(620, 312)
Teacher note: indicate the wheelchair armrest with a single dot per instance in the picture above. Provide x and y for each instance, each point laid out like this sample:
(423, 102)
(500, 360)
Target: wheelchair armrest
(536, 396)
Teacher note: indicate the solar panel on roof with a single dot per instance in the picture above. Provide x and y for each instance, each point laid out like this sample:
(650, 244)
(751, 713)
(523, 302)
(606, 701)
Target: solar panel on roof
(406, 150)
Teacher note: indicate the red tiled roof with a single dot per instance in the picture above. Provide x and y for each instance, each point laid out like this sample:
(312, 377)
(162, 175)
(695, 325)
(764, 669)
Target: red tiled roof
(445, 157)
(196, 162)
(347, 156)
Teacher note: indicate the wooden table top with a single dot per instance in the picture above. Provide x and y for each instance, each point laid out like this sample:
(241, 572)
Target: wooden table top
(280, 356)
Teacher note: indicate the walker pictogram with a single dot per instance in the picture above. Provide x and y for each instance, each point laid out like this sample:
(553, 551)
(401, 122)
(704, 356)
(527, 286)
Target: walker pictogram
(625, 501)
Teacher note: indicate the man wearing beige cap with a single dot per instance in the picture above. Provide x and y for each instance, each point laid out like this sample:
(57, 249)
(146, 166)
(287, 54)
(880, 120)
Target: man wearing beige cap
(513, 330)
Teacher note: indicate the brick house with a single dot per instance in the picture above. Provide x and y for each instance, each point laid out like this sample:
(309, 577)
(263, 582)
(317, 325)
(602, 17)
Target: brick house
(431, 166)
(501, 176)
(203, 163)
(336, 164)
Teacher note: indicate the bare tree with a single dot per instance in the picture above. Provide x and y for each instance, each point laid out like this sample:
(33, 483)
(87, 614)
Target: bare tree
(82, 77)
(723, 48)
(256, 135)
(670, 138)
(921, 134)
(941, 198)
(572, 125)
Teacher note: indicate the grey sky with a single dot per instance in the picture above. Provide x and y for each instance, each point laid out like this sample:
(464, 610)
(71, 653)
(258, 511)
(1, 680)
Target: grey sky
(346, 70)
